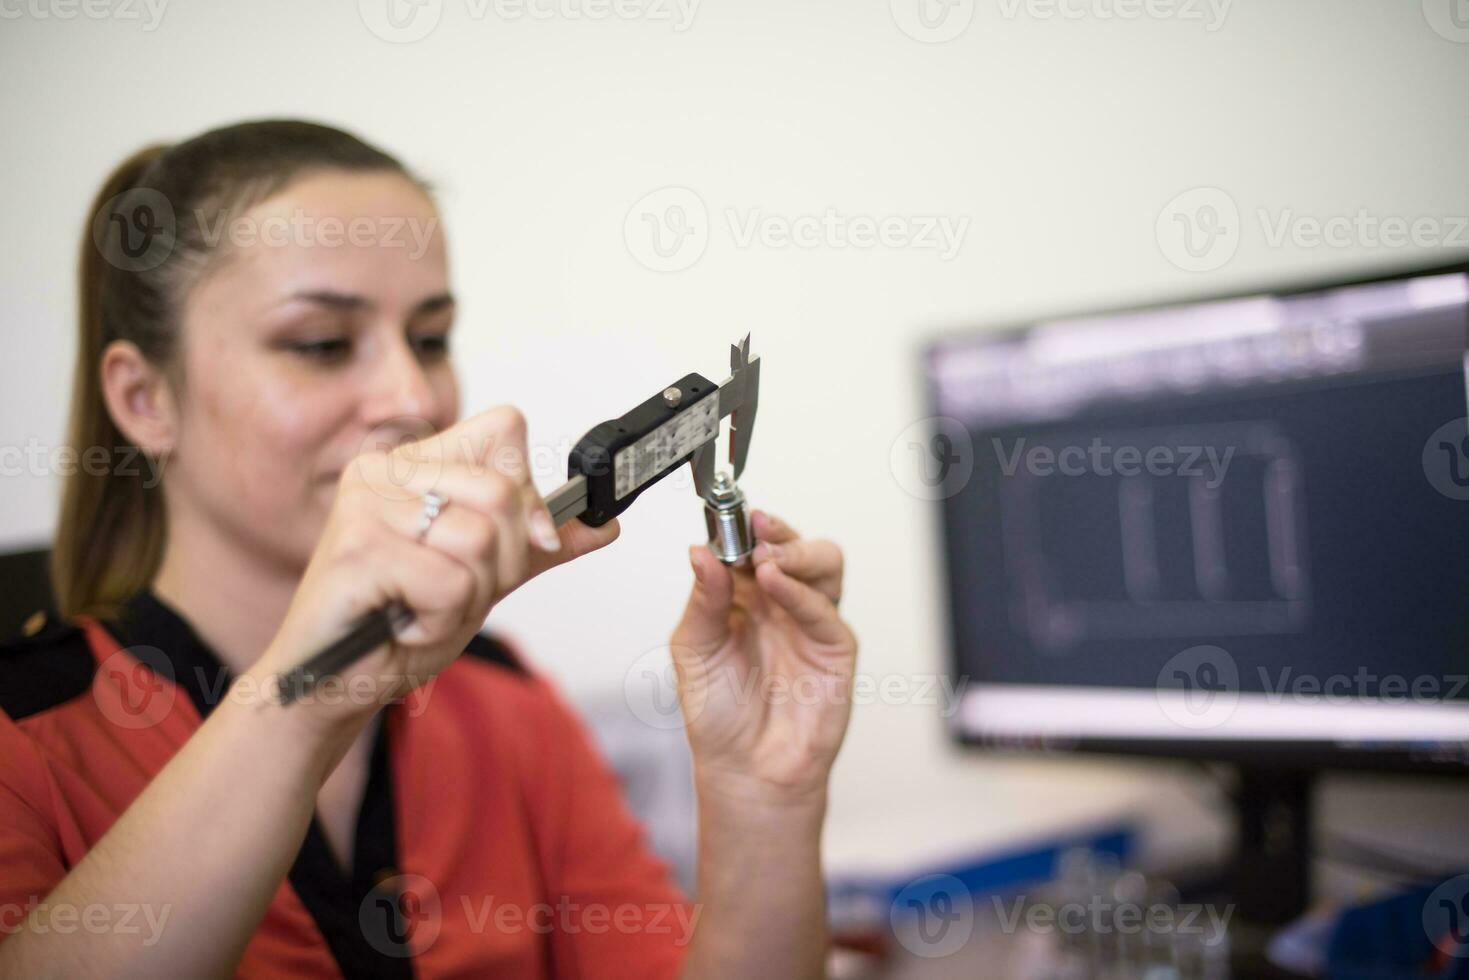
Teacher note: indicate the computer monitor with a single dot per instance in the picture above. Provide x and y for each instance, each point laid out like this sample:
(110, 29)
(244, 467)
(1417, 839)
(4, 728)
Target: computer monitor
(1236, 528)
(1233, 529)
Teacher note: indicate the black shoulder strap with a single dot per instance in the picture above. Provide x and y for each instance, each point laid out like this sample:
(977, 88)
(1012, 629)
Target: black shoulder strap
(48, 668)
(487, 647)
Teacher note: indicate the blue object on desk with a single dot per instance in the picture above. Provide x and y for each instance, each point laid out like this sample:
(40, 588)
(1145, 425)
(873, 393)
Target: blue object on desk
(993, 871)
(1417, 934)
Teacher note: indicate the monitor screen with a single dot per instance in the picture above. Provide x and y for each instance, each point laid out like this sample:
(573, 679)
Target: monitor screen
(1217, 528)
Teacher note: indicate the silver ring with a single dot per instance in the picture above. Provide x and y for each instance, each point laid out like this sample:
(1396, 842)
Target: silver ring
(433, 505)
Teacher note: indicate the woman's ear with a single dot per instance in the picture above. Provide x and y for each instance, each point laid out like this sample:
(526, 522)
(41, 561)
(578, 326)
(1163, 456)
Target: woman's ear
(139, 398)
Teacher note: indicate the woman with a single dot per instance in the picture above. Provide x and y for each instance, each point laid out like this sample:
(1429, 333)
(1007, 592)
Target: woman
(277, 350)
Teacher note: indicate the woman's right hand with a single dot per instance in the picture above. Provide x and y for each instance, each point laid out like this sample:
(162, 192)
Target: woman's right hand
(492, 535)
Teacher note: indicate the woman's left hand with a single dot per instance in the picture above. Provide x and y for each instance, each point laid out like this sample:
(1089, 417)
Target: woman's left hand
(765, 666)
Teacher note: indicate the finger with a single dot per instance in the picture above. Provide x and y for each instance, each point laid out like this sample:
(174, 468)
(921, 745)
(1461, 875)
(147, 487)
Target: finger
(407, 479)
(463, 533)
(768, 527)
(501, 500)
(440, 589)
(509, 456)
(474, 440)
(817, 562)
(705, 623)
(812, 611)
(494, 441)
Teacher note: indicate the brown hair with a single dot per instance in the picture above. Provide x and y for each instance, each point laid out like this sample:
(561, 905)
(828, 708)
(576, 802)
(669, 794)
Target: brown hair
(139, 258)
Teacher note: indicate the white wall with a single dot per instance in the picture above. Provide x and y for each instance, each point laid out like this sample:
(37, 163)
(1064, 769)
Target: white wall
(1059, 140)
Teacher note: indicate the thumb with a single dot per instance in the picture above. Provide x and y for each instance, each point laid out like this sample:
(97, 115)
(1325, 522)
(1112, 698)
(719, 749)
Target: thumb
(705, 623)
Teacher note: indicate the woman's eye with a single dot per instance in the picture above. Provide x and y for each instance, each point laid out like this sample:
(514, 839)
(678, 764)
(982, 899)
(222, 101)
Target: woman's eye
(329, 349)
(432, 345)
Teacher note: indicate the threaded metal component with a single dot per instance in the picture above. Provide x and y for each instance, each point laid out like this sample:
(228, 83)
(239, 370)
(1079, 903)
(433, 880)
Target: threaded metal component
(730, 536)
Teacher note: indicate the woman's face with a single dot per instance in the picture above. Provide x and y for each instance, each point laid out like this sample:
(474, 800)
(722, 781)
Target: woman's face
(321, 332)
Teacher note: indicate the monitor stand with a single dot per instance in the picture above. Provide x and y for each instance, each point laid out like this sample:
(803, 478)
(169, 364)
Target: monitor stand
(1272, 858)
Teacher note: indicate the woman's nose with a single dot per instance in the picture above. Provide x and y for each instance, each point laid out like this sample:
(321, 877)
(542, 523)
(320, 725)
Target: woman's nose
(399, 387)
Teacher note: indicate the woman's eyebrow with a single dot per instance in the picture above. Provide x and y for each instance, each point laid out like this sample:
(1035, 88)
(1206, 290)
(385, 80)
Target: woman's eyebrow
(350, 302)
(433, 304)
(337, 301)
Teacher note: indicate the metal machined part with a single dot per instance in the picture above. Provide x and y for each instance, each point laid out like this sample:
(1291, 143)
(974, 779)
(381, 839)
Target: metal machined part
(730, 535)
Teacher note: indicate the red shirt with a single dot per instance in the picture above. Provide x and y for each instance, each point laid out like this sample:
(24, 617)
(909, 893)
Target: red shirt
(493, 839)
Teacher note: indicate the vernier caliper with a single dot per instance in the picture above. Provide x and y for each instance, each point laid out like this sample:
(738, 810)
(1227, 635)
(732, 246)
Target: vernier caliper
(622, 457)
(609, 467)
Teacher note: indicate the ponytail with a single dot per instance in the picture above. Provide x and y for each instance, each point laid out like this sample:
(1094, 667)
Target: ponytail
(109, 536)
